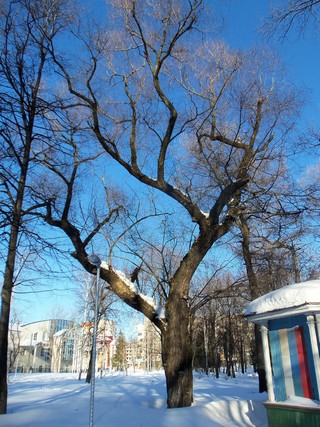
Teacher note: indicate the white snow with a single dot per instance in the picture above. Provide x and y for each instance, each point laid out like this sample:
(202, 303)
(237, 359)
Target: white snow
(105, 265)
(301, 402)
(205, 214)
(149, 300)
(126, 280)
(136, 400)
(161, 312)
(132, 286)
(289, 296)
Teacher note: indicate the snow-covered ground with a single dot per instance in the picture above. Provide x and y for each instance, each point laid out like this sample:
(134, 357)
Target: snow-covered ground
(134, 400)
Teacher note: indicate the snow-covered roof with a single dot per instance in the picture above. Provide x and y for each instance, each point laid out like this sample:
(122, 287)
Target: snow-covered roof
(302, 297)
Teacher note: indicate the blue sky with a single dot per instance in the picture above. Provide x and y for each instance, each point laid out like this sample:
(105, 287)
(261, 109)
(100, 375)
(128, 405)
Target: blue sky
(299, 54)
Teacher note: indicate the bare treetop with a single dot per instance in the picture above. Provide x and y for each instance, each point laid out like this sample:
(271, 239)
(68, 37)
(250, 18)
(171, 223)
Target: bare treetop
(293, 14)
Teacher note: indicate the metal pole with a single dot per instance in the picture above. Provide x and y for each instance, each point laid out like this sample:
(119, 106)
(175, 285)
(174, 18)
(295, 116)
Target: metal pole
(82, 331)
(96, 261)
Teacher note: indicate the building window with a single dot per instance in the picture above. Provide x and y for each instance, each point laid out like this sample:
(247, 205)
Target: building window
(68, 349)
(35, 336)
(45, 353)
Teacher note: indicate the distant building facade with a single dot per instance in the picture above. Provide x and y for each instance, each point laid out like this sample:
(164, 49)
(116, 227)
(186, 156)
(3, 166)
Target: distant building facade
(105, 346)
(144, 347)
(58, 345)
(44, 346)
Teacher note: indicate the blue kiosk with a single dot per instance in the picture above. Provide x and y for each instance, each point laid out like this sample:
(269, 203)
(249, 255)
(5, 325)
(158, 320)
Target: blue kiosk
(290, 328)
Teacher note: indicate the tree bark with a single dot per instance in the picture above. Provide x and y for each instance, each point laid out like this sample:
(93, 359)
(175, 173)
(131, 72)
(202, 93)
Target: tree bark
(177, 354)
(260, 360)
(4, 328)
(89, 371)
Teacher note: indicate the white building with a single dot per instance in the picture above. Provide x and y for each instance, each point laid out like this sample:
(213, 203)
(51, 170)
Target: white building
(41, 347)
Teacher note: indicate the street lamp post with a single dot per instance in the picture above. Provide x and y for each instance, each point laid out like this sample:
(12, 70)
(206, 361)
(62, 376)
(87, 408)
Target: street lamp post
(96, 261)
(82, 331)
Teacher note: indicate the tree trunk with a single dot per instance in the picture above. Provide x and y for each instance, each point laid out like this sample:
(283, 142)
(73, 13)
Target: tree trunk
(260, 360)
(253, 288)
(177, 354)
(205, 339)
(242, 358)
(4, 327)
(6, 295)
(88, 377)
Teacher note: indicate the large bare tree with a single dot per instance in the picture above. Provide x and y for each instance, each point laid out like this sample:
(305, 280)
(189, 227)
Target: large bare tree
(187, 118)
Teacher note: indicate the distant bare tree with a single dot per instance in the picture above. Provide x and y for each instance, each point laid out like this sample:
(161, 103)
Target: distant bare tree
(14, 341)
(105, 302)
(27, 31)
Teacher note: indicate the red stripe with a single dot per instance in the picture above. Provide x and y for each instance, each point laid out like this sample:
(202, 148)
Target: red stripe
(303, 363)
